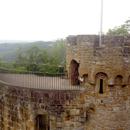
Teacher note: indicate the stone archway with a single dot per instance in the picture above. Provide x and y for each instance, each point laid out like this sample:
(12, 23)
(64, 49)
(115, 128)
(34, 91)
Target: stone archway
(118, 80)
(42, 122)
(101, 82)
(85, 78)
(74, 72)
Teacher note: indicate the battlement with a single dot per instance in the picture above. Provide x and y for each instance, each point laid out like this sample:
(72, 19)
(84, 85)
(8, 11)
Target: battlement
(94, 40)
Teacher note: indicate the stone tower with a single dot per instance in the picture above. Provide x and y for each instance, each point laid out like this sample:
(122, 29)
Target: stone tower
(106, 76)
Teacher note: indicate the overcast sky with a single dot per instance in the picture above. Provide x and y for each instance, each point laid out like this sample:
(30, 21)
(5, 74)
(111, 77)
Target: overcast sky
(52, 19)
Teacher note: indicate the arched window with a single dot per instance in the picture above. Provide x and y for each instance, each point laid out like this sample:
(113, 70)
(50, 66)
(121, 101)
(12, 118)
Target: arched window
(101, 86)
(85, 78)
(101, 82)
(118, 80)
(74, 72)
(42, 122)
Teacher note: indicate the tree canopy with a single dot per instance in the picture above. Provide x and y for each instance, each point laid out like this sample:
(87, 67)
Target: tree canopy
(42, 60)
(122, 30)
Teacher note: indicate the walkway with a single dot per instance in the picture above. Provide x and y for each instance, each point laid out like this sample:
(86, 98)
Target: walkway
(38, 82)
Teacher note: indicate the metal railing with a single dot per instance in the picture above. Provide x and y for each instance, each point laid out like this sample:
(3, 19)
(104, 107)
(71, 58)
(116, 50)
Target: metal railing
(38, 80)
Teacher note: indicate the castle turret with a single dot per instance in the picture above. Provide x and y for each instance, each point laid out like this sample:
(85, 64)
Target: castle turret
(106, 73)
(112, 58)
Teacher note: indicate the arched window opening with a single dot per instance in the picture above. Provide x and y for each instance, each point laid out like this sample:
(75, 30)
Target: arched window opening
(101, 82)
(74, 72)
(118, 80)
(101, 86)
(42, 122)
(85, 78)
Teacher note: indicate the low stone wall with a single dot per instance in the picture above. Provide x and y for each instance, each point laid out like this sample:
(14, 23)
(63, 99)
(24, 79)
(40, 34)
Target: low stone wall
(67, 110)
(20, 106)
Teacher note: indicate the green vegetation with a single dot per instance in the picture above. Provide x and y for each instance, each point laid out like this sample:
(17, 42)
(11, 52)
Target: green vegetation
(118, 31)
(122, 30)
(44, 60)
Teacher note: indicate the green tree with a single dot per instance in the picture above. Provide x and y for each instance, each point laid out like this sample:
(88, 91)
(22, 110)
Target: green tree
(127, 24)
(0, 62)
(122, 30)
(35, 57)
(21, 59)
(58, 53)
(47, 60)
(118, 31)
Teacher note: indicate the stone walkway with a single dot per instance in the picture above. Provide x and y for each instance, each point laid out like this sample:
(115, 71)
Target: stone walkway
(38, 82)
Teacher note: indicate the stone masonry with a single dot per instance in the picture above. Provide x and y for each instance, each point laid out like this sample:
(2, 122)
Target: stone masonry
(106, 73)
(103, 103)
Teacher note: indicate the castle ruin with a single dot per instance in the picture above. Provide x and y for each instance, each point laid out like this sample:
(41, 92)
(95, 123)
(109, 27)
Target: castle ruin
(102, 101)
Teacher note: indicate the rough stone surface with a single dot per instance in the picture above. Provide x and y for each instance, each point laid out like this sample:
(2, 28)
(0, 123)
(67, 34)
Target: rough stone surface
(20, 106)
(111, 63)
(87, 109)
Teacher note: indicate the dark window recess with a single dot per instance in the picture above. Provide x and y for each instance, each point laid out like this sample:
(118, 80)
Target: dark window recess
(101, 86)
(42, 122)
(74, 72)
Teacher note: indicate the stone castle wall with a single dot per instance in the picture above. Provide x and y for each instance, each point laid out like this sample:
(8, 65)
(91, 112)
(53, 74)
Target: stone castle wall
(19, 108)
(94, 107)
(67, 110)
(112, 58)
(110, 63)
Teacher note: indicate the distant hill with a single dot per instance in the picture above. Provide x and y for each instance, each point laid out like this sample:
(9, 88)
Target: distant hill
(8, 49)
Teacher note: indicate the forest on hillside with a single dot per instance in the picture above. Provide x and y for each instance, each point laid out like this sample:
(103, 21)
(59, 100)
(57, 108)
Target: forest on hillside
(38, 57)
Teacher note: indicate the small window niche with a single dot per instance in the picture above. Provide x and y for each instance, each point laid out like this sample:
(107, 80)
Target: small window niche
(118, 80)
(84, 79)
(101, 86)
(74, 72)
(101, 82)
(42, 122)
